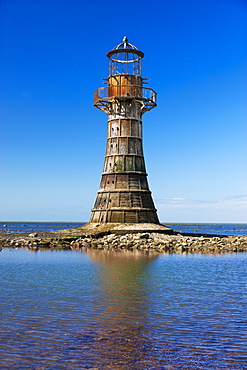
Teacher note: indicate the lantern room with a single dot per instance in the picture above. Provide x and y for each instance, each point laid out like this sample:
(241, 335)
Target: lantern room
(125, 59)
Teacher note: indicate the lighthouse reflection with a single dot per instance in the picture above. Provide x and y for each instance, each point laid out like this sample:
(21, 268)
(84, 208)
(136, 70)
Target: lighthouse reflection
(122, 308)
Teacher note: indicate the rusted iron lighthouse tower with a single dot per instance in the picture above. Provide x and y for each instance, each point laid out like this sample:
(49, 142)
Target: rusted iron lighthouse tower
(124, 195)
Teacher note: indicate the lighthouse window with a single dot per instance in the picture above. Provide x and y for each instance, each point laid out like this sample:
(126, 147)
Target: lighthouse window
(110, 164)
(109, 200)
(112, 182)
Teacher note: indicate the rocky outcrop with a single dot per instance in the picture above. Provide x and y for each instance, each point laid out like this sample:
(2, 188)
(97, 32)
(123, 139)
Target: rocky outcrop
(139, 241)
(165, 243)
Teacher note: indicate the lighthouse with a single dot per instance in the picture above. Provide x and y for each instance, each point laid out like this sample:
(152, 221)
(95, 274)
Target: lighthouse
(124, 196)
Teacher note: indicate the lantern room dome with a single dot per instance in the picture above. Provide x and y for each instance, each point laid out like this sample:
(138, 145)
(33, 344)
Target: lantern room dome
(121, 48)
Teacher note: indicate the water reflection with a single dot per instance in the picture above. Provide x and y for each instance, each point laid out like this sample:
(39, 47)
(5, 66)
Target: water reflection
(154, 314)
(122, 310)
(122, 334)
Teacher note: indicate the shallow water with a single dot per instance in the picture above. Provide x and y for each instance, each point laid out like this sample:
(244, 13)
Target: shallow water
(217, 229)
(122, 310)
(30, 227)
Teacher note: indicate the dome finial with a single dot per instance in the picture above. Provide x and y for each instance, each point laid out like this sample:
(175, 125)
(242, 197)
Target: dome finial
(125, 41)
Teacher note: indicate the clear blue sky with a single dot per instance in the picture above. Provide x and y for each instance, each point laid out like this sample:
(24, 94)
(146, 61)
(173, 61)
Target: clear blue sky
(53, 139)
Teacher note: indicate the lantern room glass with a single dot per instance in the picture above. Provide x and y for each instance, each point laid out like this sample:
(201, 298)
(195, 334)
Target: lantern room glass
(125, 62)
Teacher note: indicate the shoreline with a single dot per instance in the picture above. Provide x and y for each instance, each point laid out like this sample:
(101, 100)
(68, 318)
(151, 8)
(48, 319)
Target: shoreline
(82, 238)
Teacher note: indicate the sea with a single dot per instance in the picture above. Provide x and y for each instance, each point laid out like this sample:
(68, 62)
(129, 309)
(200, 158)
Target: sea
(98, 309)
(199, 228)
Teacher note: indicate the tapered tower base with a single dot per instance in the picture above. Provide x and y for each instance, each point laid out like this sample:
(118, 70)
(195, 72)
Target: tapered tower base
(127, 228)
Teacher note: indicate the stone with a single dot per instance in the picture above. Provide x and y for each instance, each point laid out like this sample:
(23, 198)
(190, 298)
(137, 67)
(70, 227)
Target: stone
(85, 244)
(75, 245)
(33, 235)
(144, 236)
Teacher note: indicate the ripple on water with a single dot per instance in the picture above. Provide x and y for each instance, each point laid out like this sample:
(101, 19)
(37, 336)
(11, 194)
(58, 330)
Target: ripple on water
(69, 310)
